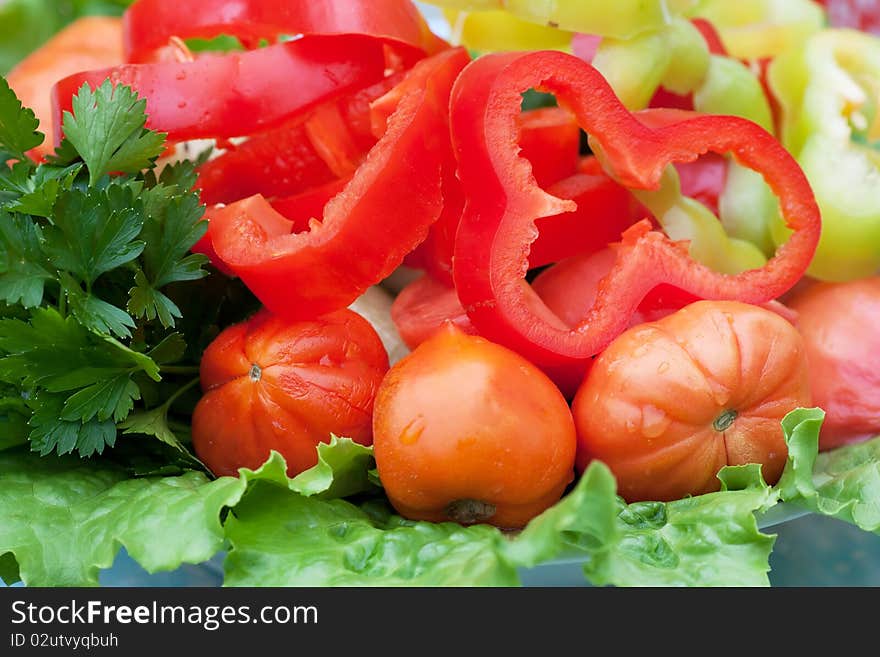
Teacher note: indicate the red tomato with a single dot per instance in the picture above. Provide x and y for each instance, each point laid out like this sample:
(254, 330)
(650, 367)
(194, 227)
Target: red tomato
(669, 403)
(840, 323)
(469, 431)
(272, 384)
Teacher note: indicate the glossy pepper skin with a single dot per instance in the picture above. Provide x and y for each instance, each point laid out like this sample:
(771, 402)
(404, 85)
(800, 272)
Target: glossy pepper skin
(343, 47)
(550, 141)
(503, 201)
(148, 24)
(383, 213)
(683, 65)
(222, 96)
(828, 89)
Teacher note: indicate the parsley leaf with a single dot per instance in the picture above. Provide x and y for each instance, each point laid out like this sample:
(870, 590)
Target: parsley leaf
(14, 181)
(18, 126)
(107, 131)
(94, 246)
(172, 226)
(94, 313)
(83, 383)
(42, 188)
(110, 398)
(59, 354)
(51, 434)
(24, 269)
(14, 414)
(94, 231)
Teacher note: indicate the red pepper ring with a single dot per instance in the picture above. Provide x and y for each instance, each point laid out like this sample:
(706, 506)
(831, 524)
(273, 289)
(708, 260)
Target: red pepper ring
(240, 93)
(148, 24)
(503, 201)
(382, 214)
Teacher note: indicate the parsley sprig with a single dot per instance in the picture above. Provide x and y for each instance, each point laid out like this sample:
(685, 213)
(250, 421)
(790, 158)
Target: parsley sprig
(94, 250)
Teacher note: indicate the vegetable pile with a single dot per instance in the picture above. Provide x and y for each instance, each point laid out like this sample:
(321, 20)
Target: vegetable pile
(630, 252)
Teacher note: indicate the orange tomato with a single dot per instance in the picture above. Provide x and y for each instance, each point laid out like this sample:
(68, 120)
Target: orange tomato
(669, 403)
(88, 43)
(469, 431)
(840, 323)
(272, 384)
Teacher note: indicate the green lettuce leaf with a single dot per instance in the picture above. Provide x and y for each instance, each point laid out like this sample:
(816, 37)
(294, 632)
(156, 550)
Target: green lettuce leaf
(707, 540)
(342, 470)
(63, 519)
(286, 532)
(282, 538)
(843, 483)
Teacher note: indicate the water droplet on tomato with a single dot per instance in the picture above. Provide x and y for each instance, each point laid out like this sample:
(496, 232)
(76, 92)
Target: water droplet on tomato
(654, 421)
(412, 432)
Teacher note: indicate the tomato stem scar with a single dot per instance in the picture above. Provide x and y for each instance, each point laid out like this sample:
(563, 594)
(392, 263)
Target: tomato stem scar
(469, 511)
(255, 372)
(723, 421)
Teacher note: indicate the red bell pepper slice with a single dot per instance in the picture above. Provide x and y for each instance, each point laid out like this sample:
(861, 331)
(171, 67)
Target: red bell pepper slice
(302, 208)
(148, 24)
(602, 204)
(550, 141)
(240, 93)
(383, 213)
(305, 152)
(498, 224)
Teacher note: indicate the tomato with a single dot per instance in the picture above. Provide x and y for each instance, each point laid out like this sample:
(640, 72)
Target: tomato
(840, 323)
(272, 384)
(467, 430)
(91, 42)
(669, 403)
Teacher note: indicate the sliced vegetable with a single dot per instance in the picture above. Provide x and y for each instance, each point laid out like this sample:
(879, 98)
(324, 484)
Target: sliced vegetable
(306, 152)
(241, 92)
(828, 88)
(150, 23)
(255, 242)
(630, 17)
(550, 141)
(754, 29)
(491, 253)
